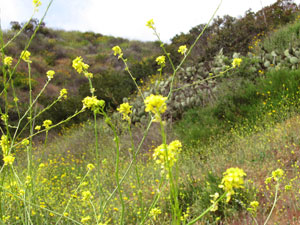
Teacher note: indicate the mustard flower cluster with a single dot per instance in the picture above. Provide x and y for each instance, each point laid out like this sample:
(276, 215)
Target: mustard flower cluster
(214, 202)
(86, 195)
(8, 60)
(25, 55)
(92, 103)
(38, 127)
(150, 24)
(161, 60)
(277, 174)
(156, 104)
(182, 49)
(50, 74)
(85, 219)
(90, 166)
(154, 213)
(4, 142)
(167, 155)
(47, 123)
(233, 178)
(236, 62)
(8, 160)
(63, 93)
(25, 142)
(36, 3)
(117, 51)
(253, 207)
(79, 65)
(125, 109)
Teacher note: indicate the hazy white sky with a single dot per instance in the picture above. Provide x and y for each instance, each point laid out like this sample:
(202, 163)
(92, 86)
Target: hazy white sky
(127, 18)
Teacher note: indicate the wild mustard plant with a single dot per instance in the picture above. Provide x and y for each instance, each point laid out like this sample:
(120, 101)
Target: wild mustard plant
(166, 155)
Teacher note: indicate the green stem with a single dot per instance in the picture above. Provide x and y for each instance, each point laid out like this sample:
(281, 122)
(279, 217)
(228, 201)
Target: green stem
(173, 187)
(274, 203)
(53, 126)
(207, 210)
(140, 195)
(189, 51)
(156, 198)
(128, 168)
(132, 77)
(29, 110)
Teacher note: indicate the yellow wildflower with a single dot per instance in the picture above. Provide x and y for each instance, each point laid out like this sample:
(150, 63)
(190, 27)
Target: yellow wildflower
(38, 128)
(233, 178)
(182, 49)
(8, 60)
(150, 24)
(90, 166)
(125, 109)
(47, 123)
(117, 51)
(36, 3)
(25, 55)
(277, 174)
(155, 212)
(4, 142)
(156, 104)
(9, 159)
(79, 65)
(161, 60)
(50, 74)
(86, 195)
(85, 219)
(167, 155)
(92, 103)
(236, 62)
(213, 201)
(88, 75)
(63, 93)
(25, 142)
(254, 204)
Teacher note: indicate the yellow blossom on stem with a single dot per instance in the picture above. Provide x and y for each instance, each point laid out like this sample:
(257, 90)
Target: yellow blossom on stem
(8, 60)
(50, 74)
(125, 109)
(47, 123)
(25, 142)
(25, 55)
(93, 103)
(167, 155)
(63, 93)
(236, 62)
(182, 49)
(156, 104)
(88, 75)
(117, 51)
(37, 127)
(36, 3)
(161, 60)
(90, 166)
(150, 24)
(85, 219)
(4, 142)
(79, 65)
(233, 178)
(154, 213)
(86, 195)
(277, 174)
(9, 159)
